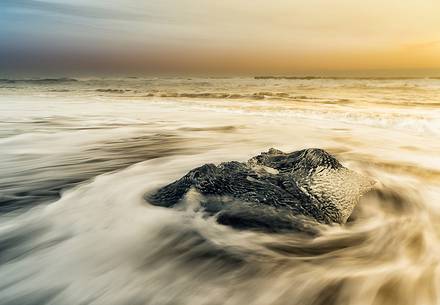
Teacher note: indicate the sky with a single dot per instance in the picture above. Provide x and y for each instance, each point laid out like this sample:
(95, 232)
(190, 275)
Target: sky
(293, 37)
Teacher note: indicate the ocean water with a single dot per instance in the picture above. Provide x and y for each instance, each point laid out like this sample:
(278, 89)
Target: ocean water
(77, 155)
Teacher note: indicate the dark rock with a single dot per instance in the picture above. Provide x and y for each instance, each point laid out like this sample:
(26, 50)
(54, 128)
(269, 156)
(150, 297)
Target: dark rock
(273, 191)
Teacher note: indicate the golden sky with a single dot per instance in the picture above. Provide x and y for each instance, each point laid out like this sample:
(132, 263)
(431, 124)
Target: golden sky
(228, 36)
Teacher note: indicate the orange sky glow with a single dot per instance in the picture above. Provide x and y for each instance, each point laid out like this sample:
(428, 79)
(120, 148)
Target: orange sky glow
(237, 37)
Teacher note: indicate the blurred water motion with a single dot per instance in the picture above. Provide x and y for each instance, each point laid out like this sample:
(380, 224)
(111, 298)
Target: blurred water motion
(77, 156)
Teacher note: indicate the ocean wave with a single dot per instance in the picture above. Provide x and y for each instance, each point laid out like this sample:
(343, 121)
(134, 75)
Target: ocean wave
(113, 90)
(76, 167)
(98, 241)
(346, 77)
(39, 80)
(139, 253)
(32, 188)
(226, 95)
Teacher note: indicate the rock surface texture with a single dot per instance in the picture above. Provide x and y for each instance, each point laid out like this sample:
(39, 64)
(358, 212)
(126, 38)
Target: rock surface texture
(273, 191)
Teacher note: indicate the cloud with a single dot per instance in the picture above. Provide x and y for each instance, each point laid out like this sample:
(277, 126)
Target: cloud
(247, 34)
(423, 45)
(75, 10)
